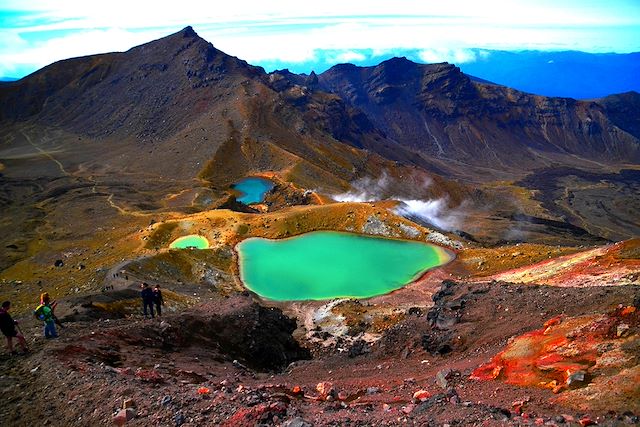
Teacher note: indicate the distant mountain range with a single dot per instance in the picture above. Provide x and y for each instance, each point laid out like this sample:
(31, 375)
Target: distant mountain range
(568, 74)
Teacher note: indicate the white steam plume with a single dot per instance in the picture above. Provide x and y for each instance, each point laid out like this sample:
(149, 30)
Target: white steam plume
(433, 212)
(365, 190)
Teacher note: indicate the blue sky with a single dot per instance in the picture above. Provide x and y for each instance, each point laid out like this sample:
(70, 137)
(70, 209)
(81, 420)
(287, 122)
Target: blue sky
(302, 36)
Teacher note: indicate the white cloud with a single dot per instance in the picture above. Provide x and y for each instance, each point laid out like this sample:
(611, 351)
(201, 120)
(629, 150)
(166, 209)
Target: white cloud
(37, 55)
(454, 56)
(290, 31)
(348, 56)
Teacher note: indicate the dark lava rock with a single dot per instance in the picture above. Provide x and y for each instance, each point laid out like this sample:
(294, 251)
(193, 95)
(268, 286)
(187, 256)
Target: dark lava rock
(437, 343)
(179, 419)
(296, 422)
(445, 290)
(442, 318)
(415, 311)
(500, 413)
(58, 263)
(358, 348)
(232, 204)
(261, 338)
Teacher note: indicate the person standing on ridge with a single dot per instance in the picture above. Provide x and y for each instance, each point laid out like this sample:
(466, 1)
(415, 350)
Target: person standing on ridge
(8, 327)
(157, 299)
(44, 312)
(52, 304)
(147, 299)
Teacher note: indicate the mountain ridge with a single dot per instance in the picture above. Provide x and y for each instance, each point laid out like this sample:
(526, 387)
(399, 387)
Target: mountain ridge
(179, 106)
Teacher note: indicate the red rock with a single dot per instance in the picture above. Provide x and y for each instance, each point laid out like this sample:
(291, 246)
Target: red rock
(539, 421)
(421, 396)
(553, 321)
(203, 391)
(296, 390)
(586, 421)
(628, 310)
(517, 406)
(256, 414)
(150, 375)
(409, 408)
(342, 395)
(120, 418)
(279, 407)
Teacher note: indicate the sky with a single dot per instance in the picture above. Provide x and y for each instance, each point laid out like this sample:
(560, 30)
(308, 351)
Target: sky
(305, 36)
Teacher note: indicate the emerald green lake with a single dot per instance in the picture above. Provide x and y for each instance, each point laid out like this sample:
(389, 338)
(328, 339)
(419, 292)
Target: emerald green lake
(191, 241)
(252, 190)
(325, 265)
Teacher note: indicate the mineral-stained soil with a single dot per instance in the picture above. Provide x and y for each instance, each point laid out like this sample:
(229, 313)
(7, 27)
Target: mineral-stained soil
(232, 362)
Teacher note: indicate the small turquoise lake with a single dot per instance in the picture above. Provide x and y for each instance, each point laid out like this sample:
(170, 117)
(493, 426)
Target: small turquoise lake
(325, 264)
(252, 190)
(190, 241)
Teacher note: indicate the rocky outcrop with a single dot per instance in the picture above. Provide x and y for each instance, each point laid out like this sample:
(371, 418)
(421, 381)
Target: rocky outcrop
(438, 111)
(258, 337)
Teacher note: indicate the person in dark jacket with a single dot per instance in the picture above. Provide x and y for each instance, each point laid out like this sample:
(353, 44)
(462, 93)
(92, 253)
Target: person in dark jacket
(147, 299)
(157, 299)
(8, 327)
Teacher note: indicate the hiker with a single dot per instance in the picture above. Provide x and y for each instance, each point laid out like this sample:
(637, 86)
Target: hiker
(8, 327)
(147, 299)
(45, 296)
(157, 299)
(44, 312)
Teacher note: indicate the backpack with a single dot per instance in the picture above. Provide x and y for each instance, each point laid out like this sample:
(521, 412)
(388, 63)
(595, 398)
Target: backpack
(39, 312)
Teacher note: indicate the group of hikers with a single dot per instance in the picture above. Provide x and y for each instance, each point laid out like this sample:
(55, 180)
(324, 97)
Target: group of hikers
(43, 312)
(150, 298)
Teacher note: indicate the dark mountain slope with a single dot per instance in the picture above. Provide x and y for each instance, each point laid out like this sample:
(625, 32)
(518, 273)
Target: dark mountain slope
(178, 106)
(438, 111)
(151, 90)
(624, 111)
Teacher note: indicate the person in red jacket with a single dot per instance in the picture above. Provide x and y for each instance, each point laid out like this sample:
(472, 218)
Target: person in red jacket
(8, 327)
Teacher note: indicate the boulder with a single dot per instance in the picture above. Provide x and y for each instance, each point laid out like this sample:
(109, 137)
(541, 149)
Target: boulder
(441, 378)
(120, 418)
(326, 390)
(421, 396)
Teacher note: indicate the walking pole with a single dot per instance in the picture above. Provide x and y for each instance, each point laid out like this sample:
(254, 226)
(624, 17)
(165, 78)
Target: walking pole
(26, 348)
